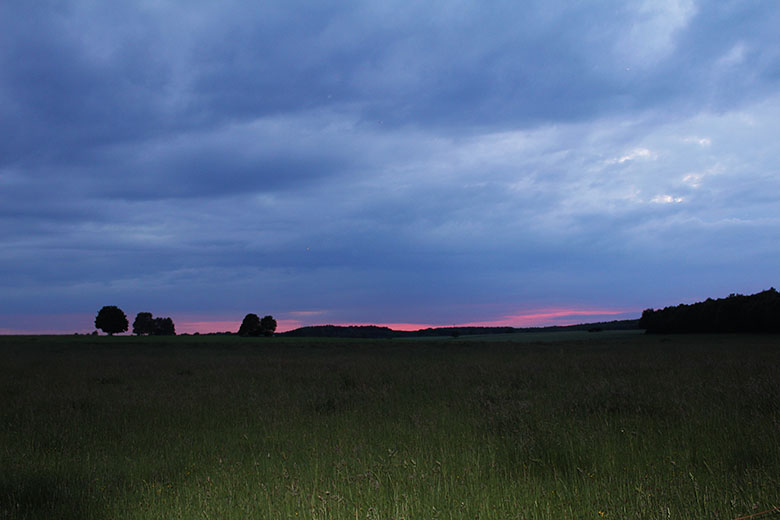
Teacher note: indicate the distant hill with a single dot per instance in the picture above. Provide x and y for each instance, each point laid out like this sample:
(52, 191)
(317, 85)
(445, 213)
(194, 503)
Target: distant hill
(758, 312)
(373, 331)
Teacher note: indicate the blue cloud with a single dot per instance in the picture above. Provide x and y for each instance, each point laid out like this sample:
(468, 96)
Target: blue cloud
(387, 162)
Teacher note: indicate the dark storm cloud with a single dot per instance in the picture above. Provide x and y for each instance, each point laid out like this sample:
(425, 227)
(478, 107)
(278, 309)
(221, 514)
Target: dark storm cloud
(64, 91)
(116, 72)
(444, 160)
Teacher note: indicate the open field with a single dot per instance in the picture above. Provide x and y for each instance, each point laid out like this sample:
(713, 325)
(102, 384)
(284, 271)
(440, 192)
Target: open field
(615, 425)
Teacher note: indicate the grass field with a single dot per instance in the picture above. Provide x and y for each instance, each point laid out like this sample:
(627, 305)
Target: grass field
(574, 425)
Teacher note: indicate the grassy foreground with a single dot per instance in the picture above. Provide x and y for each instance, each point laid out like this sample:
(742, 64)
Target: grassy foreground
(608, 425)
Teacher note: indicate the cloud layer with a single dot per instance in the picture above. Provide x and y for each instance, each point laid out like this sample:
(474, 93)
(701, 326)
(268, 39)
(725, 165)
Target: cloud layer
(399, 162)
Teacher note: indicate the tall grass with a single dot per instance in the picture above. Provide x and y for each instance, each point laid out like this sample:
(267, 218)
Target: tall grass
(579, 426)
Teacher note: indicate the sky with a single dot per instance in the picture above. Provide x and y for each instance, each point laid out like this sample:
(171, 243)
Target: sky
(405, 163)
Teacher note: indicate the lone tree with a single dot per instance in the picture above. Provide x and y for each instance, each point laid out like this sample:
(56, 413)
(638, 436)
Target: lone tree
(268, 325)
(250, 326)
(110, 319)
(143, 324)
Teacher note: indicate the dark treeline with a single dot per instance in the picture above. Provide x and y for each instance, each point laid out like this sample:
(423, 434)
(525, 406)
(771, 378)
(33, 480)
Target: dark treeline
(374, 331)
(758, 312)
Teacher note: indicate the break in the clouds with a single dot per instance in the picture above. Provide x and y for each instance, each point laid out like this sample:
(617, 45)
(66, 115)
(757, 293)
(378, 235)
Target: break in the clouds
(385, 162)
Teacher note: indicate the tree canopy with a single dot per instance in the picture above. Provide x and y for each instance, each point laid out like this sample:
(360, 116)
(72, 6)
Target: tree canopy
(268, 325)
(111, 320)
(143, 324)
(250, 326)
(163, 327)
(254, 326)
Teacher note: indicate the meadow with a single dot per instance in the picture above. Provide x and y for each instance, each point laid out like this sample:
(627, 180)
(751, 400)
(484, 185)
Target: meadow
(518, 426)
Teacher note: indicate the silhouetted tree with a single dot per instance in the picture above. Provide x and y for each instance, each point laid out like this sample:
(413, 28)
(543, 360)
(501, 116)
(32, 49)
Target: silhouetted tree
(759, 312)
(143, 324)
(250, 326)
(163, 327)
(268, 325)
(110, 319)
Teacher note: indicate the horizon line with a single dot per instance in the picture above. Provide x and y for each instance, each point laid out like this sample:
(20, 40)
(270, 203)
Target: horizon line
(548, 317)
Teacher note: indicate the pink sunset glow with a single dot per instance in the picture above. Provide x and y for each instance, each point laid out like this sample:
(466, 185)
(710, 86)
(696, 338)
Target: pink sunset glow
(546, 317)
(534, 318)
(190, 324)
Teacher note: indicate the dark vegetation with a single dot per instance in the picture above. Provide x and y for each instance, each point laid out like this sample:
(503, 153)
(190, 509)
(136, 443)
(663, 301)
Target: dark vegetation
(737, 313)
(758, 312)
(146, 325)
(254, 326)
(375, 332)
(559, 425)
(111, 320)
